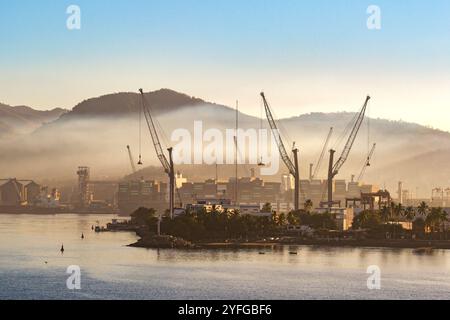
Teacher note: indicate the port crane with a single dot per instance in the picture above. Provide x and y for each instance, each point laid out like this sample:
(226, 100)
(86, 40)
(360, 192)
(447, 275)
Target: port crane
(322, 154)
(333, 168)
(166, 163)
(133, 167)
(292, 166)
(367, 163)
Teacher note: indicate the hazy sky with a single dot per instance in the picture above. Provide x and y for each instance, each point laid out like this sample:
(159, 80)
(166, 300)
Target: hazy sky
(307, 55)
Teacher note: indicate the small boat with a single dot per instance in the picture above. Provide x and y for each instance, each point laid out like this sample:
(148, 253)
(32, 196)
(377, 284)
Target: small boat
(293, 252)
(262, 252)
(62, 249)
(82, 236)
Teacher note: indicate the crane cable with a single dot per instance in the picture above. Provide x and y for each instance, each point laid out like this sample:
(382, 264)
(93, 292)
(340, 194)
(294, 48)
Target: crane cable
(368, 130)
(347, 129)
(261, 124)
(161, 133)
(140, 133)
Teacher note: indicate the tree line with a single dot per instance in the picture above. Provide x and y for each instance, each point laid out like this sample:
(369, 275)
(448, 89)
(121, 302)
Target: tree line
(426, 222)
(197, 225)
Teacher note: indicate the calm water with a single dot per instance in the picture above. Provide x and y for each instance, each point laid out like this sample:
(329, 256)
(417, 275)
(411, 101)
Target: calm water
(110, 270)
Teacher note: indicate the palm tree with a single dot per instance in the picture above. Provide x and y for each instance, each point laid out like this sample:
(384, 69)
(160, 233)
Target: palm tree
(385, 213)
(433, 219)
(441, 217)
(444, 220)
(396, 212)
(423, 208)
(409, 215)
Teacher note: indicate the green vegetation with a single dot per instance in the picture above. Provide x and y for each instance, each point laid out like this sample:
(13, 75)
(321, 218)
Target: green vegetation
(426, 222)
(144, 216)
(218, 226)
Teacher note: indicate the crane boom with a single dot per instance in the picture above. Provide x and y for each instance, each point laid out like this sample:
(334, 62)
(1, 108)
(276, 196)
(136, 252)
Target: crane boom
(367, 163)
(292, 167)
(333, 170)
(322, 154)
(351, 139)
(154, 134)
(133, 167)
(277, 136)
(167, 164)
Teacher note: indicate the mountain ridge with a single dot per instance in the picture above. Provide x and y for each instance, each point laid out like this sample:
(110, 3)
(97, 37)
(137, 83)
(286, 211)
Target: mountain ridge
(24, 119)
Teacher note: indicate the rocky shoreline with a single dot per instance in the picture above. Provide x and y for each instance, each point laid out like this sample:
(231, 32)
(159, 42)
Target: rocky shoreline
(170, 242)
(150, 240)
(162, 242)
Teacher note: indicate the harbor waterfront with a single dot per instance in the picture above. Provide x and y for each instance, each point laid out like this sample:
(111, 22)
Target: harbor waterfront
(32, 267)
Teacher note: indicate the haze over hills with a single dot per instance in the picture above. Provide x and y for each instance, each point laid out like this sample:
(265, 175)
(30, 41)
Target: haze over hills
(95, 133)
(23, 119)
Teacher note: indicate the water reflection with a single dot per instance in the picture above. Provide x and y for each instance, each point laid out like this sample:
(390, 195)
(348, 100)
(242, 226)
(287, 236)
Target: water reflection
(111, 269)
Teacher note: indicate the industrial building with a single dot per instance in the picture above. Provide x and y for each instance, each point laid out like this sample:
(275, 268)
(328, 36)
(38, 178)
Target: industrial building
(440, 197)
(250, 191)
(84, 196)
(316, 191)
(94, 196)
(141, 193)
(11, 191)
(15, 192)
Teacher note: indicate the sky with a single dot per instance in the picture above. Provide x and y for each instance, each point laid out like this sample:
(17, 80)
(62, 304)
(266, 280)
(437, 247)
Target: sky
(308, 56)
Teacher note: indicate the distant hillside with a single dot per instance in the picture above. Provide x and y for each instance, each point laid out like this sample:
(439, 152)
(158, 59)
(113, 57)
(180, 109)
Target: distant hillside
(127, 105)
(22, 119)
(424, 171)
(117, 104)
(95, 133)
